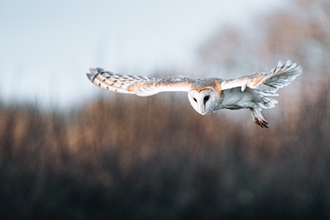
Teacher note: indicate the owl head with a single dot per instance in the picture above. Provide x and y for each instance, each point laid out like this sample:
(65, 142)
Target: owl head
(204, 100)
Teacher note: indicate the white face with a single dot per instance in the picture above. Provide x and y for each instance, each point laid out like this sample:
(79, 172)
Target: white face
(203, 101)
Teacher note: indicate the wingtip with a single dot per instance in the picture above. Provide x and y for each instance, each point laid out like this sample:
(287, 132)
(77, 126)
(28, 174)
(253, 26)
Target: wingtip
(287, 63)
(90, 77)
(93, 71)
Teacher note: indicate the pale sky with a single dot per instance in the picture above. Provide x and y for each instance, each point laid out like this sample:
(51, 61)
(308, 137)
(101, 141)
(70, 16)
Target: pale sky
(46, 47)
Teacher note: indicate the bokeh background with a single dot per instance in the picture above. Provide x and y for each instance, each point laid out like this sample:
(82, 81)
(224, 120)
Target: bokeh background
(71, 151)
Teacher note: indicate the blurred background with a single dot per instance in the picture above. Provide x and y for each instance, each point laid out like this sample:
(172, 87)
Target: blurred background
(69, 150)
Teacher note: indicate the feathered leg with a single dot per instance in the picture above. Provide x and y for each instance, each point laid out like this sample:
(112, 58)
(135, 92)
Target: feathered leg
(258, 118)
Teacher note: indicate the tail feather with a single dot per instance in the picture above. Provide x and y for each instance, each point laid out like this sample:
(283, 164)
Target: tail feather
(267, 103)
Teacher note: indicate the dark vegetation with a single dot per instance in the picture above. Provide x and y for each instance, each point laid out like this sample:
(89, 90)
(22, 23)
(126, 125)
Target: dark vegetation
(155, 157)
(125, 157)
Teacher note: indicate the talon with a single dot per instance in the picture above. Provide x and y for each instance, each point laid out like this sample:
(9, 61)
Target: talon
(261, 123)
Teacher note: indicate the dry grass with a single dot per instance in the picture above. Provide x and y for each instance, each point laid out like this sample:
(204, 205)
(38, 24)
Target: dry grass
(130, 157)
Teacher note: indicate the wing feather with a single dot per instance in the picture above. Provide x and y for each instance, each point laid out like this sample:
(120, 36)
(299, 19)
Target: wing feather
(139, 85)
(278, 77)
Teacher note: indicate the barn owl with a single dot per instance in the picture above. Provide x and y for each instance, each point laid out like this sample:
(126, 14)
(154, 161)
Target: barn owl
(209, 94)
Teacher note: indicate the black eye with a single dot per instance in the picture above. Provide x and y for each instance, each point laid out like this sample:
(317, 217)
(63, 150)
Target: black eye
(206, 98)
(195, 99)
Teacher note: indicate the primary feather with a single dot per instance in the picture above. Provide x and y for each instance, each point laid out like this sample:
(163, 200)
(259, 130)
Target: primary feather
(139, 85)
(277, 78)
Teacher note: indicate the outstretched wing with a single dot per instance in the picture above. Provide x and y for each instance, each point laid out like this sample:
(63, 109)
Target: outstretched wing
(279, 77)
(139, 85)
